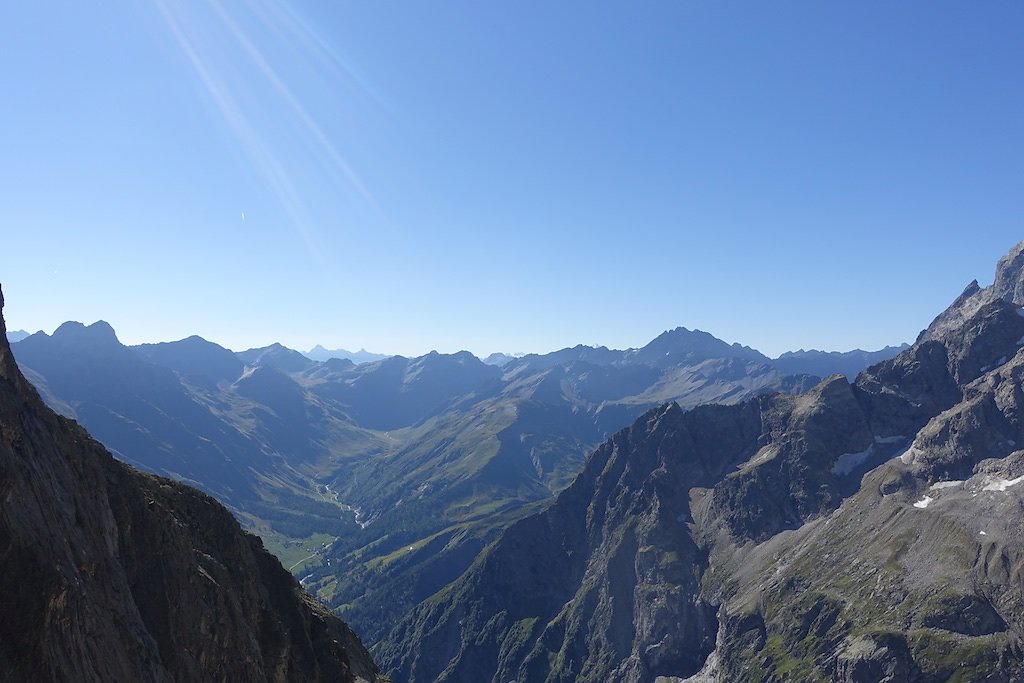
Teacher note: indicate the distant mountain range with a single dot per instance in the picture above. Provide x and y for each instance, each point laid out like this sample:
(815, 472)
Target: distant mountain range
(436, 453)
(824, 363)
(812, 362)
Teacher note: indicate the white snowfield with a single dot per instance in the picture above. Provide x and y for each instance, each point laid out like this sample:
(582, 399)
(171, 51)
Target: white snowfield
(1002, 484)
(848, 462)
(923, 503)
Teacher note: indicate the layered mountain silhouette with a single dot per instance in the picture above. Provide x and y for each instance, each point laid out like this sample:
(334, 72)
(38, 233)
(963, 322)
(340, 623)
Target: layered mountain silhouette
(109, 574)
(864, 531)
(404, 467)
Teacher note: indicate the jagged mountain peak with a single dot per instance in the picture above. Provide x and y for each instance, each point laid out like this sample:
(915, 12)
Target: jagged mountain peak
(684, 345)
(1009, 281)
(1008, 286)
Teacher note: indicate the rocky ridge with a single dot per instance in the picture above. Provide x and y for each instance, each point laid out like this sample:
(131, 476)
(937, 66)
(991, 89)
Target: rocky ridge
(864, 531)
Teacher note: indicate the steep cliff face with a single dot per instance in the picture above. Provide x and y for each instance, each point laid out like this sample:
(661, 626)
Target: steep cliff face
(112, 575)
(856, 532)
(555, 597)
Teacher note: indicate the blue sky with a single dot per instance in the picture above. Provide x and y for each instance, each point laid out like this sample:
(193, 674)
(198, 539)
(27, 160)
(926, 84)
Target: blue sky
(514, 176)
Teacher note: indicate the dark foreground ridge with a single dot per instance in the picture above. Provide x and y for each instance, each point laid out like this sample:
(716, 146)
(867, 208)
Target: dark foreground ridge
(858, 532)
(108, 574)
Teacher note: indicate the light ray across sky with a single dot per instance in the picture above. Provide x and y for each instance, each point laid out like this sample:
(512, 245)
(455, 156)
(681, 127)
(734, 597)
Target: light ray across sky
(300, 111)
(253, 141)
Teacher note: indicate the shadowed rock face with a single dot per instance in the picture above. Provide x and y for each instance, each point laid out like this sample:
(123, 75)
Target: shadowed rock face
(112, 575)
(856, 532)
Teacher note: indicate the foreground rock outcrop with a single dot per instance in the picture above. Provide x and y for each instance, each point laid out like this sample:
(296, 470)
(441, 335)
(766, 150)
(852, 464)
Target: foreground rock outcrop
(108, 574)
(858, 532)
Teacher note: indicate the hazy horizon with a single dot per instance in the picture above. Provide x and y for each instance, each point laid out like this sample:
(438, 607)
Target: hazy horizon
(479, 354)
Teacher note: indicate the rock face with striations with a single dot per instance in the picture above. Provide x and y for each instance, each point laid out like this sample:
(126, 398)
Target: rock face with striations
(108, 574)
(857, 532)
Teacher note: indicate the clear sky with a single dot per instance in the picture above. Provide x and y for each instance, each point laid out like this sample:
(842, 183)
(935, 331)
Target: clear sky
(506, 176)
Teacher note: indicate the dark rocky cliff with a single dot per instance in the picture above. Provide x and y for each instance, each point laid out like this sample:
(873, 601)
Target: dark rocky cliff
(108, 574)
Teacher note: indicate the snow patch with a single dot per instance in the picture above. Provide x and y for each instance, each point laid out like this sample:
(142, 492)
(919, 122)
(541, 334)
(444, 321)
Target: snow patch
(1002, 484)
(246, 373)
(945, 485)
(848, 462)
(923, 503)
(982, 533)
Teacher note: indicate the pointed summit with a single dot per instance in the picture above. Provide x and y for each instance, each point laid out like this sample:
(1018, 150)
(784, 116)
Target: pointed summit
(692, 346)
(1008, 286)
(1009, 282)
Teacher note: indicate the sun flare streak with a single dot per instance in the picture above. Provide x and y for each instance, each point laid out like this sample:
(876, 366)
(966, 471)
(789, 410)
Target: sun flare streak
(286, 94)
(265, 160)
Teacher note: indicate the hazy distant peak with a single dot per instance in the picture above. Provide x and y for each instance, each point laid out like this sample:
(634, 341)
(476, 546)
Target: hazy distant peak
(822, 363)
(99, 332)
(498, 359)
(680, 344)
(893, 349)
(194, 357)
(276, 356)
(321, 353)
(192, 341)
